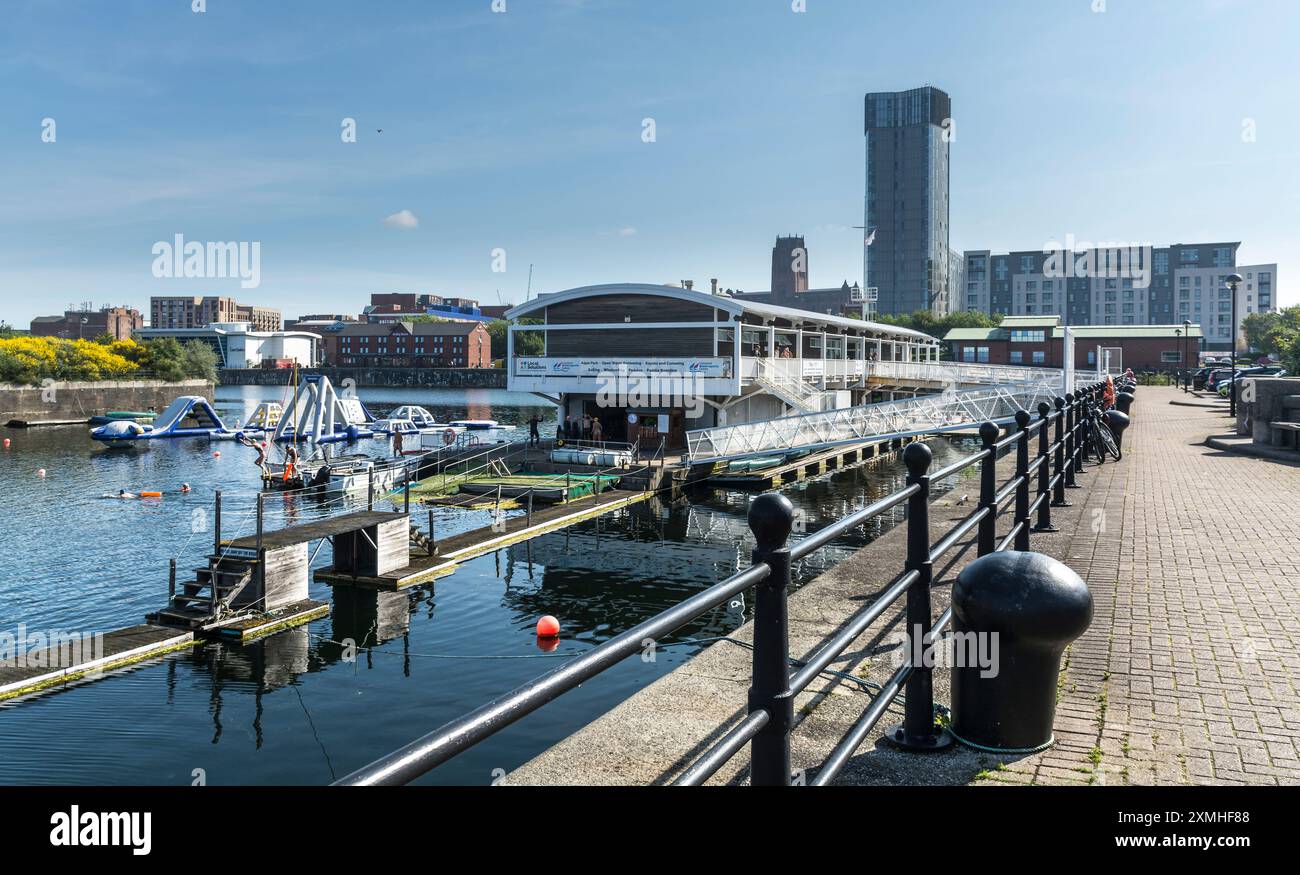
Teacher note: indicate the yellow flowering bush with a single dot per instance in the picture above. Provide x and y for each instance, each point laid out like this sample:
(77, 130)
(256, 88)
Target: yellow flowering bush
(29, 360)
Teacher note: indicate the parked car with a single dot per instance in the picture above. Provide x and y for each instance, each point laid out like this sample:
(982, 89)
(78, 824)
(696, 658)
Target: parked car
(1224, 384)
(1216, 374)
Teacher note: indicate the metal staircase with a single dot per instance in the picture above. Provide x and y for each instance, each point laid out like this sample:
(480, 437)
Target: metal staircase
(793, 390)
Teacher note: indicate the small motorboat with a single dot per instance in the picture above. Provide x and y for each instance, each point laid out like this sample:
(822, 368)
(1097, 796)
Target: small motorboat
(342, 474)
(445, 436)
(475, 424)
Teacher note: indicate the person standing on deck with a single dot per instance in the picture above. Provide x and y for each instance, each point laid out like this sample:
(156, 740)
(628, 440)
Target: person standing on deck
(597, 434)
(534, 435)
(586, 426)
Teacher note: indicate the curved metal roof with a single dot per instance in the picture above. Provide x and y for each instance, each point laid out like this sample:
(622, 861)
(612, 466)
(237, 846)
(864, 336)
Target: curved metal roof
(722, 302)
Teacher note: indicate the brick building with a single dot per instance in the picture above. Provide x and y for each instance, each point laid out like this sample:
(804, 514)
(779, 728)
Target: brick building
(1036, 341)
(87, 324)
(790, 285)
(183, 311)
(410, 345)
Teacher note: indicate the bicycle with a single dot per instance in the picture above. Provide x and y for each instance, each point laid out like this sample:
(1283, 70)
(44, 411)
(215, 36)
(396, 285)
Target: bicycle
(1100, 440)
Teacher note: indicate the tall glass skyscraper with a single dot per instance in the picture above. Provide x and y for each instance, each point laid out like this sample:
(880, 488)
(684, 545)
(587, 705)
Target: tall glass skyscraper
(908, 259)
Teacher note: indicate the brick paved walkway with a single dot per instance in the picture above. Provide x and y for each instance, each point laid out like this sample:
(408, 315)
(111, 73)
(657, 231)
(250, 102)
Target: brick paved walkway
(1190, 672)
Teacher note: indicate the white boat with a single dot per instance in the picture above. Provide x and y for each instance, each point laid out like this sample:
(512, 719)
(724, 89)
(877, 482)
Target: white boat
(344, 474)
(475, 424)
(445, 436)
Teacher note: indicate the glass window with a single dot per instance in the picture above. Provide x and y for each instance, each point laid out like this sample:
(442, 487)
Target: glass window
(1017, 357)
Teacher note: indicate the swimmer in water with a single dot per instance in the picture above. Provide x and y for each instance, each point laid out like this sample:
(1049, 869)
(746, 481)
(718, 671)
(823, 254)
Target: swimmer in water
(185, 487)
(122, 493)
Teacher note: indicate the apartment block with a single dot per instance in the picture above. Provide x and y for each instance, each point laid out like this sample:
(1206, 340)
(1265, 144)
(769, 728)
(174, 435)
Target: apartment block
(1120, 286)
(199, 312)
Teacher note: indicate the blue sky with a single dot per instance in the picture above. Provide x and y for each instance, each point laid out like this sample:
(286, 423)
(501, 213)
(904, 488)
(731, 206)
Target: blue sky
(522, 131)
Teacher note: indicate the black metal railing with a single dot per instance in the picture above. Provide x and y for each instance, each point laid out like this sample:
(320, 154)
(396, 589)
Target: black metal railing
(1034, 488)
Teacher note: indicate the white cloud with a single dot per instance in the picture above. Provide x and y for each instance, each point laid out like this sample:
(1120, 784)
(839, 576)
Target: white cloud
(403, 221)
(621, 232)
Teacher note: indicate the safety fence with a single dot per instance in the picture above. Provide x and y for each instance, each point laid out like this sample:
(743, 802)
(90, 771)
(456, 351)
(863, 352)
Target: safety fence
(1046, 464)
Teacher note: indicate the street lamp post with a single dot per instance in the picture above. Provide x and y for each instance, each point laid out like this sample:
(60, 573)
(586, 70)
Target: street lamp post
(1182, 353)
(1187, 333)
(1233, 282)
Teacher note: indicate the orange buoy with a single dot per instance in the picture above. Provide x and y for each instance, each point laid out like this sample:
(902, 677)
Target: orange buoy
(216, 455)
(7, 443)
(548, 627)
(151, 495)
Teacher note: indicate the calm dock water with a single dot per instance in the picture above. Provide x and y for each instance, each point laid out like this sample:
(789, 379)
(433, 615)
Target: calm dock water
(295, 708)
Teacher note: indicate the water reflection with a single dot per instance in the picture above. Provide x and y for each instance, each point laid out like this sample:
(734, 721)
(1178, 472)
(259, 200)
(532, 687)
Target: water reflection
(306, 705)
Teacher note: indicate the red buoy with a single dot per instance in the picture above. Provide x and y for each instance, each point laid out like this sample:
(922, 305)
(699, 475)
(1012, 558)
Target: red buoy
(548, 627)
(6, 443)
(216, 455)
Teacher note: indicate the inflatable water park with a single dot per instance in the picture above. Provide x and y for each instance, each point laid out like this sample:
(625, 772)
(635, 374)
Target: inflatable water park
(187, 416)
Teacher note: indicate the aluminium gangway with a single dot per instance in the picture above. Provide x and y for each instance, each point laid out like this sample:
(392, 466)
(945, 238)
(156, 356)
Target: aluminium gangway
(951, 410)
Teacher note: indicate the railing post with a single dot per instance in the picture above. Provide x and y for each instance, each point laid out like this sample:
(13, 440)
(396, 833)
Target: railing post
(1070, 428)
(1022, 489)
(530, 507)
(433, 545)
(216, 537)
(1058, 493)
(771, 517)
(1044, 470)
(370, 487)
(988, 530)
(918, 731)
(260, 527)
(171, 581)
(406, 492)
(1081, 431)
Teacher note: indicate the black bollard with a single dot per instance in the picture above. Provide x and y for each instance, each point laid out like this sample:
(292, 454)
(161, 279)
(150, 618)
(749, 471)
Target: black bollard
(1123, 401)
(1118, 422)
(1013, 616)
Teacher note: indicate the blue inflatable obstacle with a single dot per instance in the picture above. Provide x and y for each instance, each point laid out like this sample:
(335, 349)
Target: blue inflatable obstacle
(187, 416)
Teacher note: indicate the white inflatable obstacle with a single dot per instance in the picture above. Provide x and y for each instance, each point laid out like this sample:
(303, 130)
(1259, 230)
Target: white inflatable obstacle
(319, 414)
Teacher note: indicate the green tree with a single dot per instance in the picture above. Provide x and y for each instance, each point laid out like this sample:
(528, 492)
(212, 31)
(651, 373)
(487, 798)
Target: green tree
(166, 359)
(496, 330)
(528, 343)
(199, 361)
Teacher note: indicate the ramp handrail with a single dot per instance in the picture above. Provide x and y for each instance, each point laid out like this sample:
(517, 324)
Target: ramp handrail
(855, 424)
